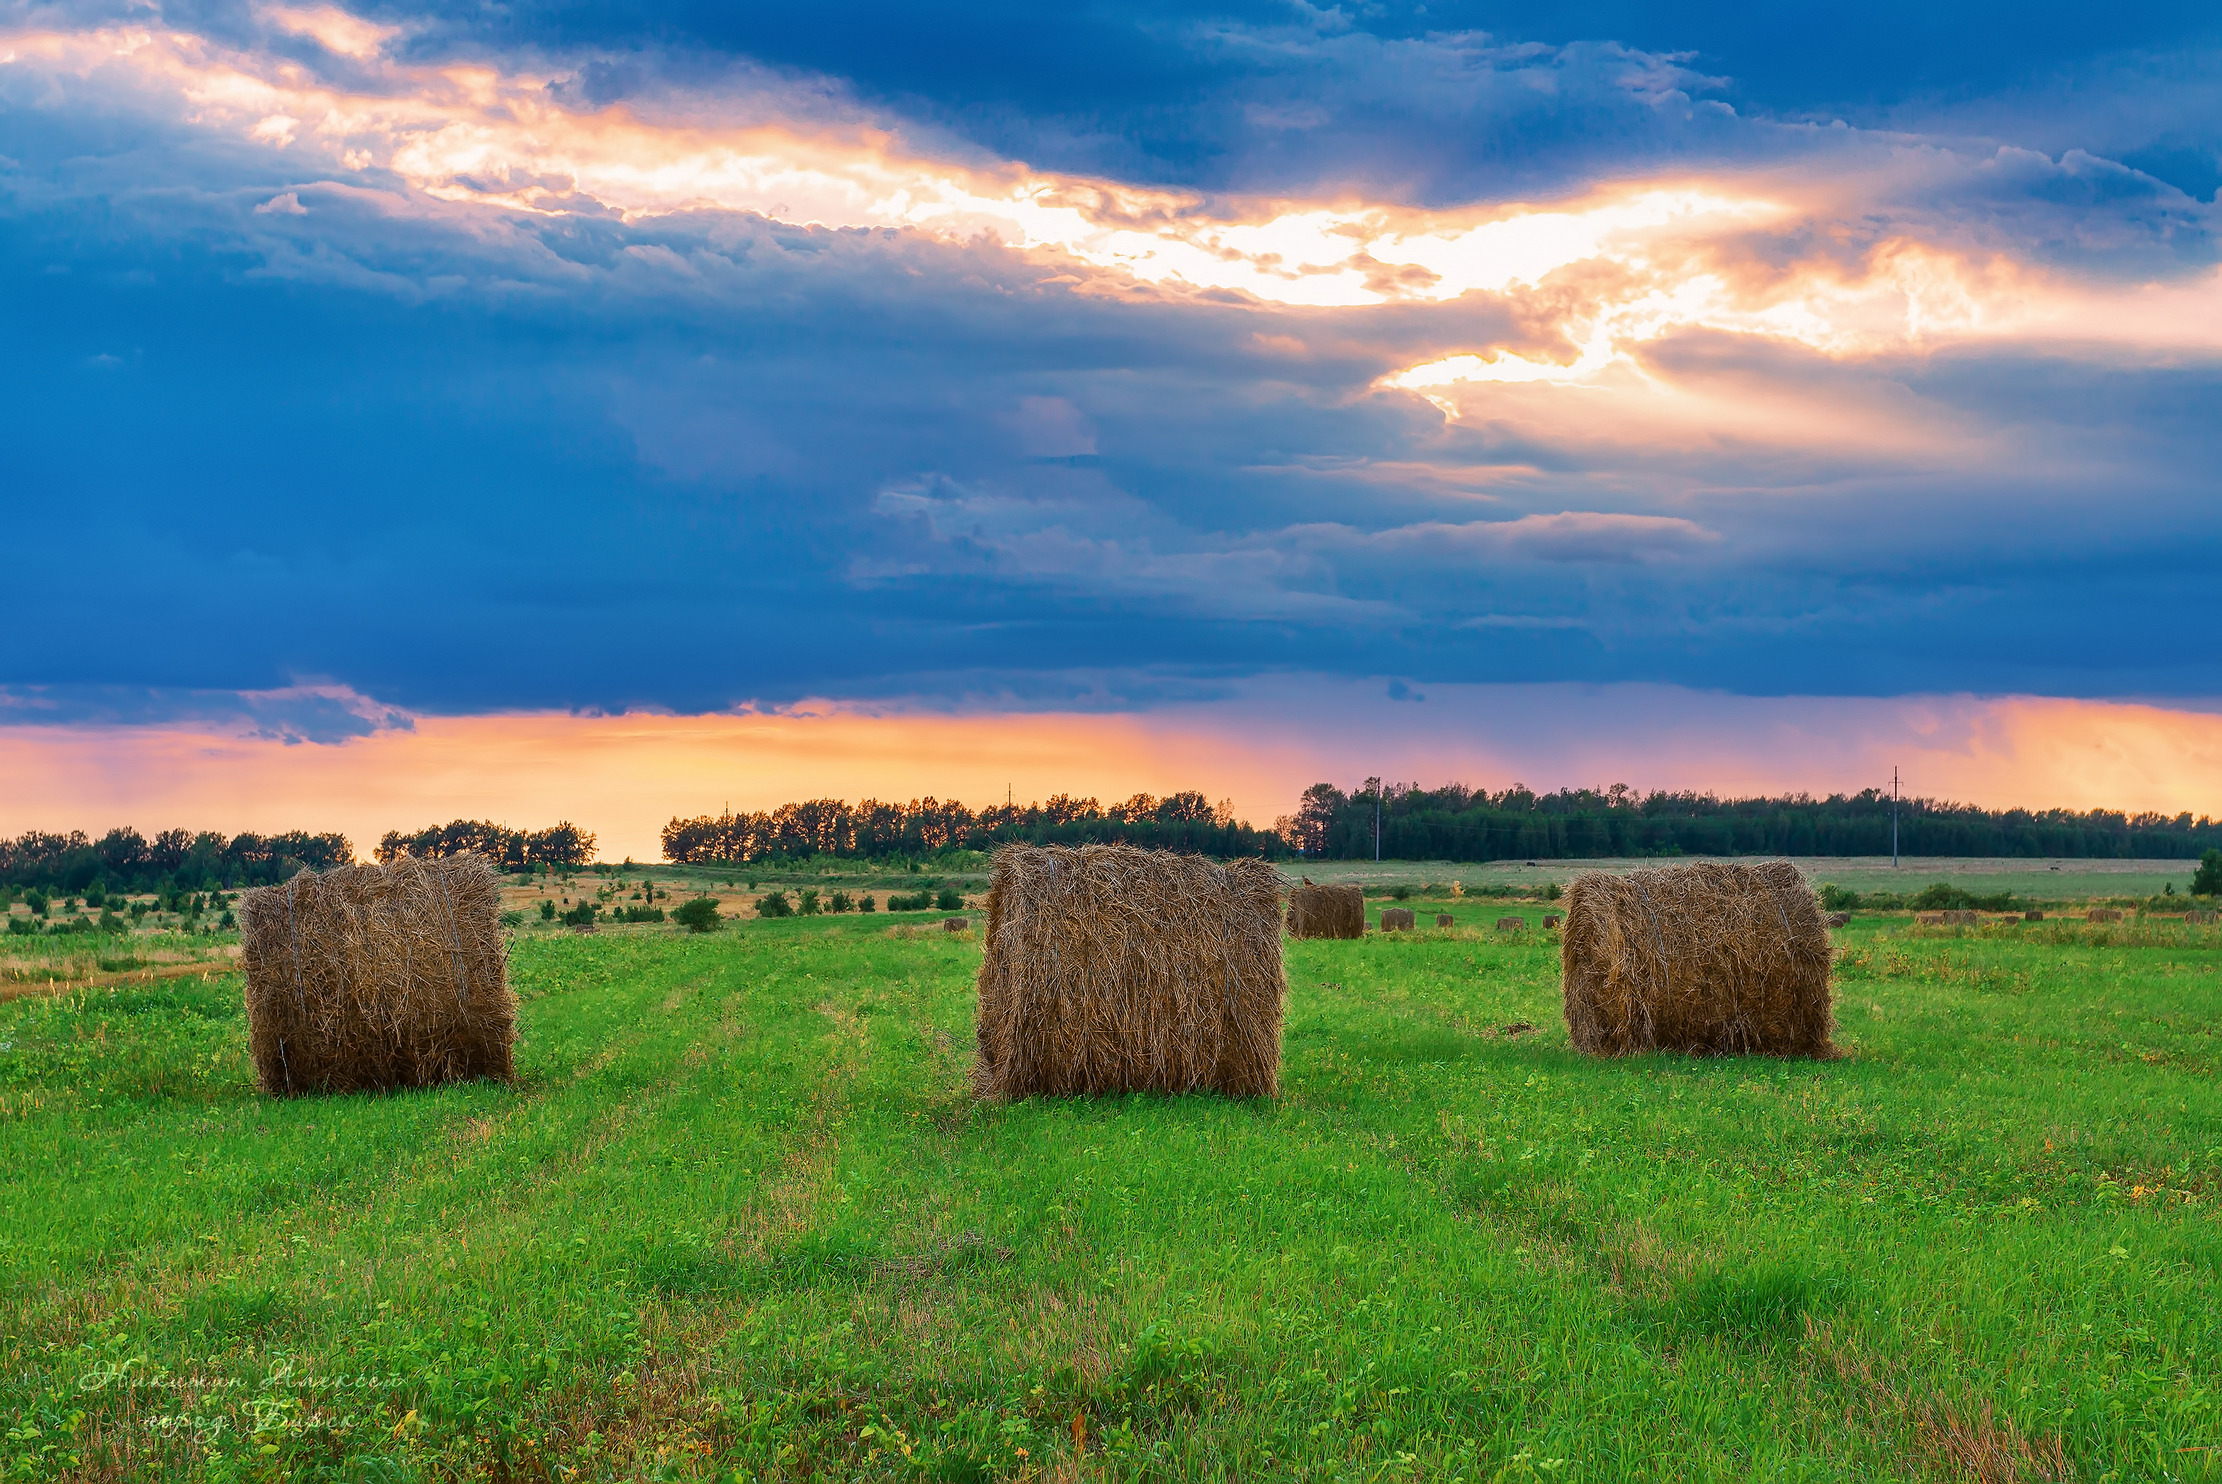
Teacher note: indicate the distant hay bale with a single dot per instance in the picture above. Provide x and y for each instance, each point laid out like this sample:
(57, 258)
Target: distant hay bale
(1961, 919)
(1928, 919)
(2032, 917)
(1512, 924)
(1713, 958)
(1393, 918)
(2198, 915)
(377, 977)
(1550, 920)
(2103, 914)
(1837, 919)
(1442, 919)
(1112, 969)
(955, 924)
(1326, 911)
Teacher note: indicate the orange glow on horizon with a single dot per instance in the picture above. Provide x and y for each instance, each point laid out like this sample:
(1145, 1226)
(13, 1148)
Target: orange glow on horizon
(623, 777)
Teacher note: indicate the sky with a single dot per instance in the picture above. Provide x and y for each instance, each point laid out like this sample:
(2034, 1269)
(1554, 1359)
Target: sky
(611, 412)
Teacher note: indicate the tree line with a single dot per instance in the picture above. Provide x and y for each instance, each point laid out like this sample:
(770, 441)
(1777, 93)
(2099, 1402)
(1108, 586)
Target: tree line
(560, 845)
(174, 860)
(1456, 822)
(874, 829)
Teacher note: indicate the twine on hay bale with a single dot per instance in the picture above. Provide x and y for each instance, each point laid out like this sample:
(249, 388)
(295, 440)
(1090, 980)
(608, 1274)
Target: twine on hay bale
(1326, 911)
(377, 977)
(1713, 958)
(1112, 969)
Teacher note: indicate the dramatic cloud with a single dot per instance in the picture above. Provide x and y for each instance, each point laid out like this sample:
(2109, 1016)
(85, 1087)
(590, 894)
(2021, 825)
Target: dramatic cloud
(556, 362)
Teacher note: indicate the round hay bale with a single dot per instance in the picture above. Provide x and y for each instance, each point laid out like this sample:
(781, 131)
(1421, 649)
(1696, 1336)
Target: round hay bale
(1326, 911)
(1713, 958)
(1512, 924)
(2103, 914)
(1961, 919)
(955, 924)
(1393, 918)
(378, 977)
(2198, 915)
(1110, 969)
(1550, 920)
(1443, 920)
(1838, 919)
(1928, 919)
(2032, 917)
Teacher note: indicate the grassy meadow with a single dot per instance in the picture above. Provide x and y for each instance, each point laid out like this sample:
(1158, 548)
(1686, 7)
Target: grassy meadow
(739, 1219)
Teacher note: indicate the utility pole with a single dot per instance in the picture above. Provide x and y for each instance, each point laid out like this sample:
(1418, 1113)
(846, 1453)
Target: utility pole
(1377, 821)
(1894, 816)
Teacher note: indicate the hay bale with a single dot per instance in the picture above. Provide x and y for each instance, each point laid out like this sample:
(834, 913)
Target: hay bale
(1326, 911)
(1393, 918)
(1928, 919)
(1443, 920)
(1961, 919)
(1550, 920)
(377, 977)
(2103, 914)
(1512, 924)
(1713, 958)
(1837, 920)
(1111, 969)
(955, 924)
(2199, 915)
(2032, 917)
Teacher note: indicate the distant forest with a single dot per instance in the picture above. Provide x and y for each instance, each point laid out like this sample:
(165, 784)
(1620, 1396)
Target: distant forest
(925, 827)
(125, 860)
(563, 844)
(1459, 823)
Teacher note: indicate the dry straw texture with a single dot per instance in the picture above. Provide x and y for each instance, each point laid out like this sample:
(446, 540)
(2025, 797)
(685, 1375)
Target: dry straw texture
(2103, 914)
(377, 977)
(1326, 911)
(1711, 958)
(1110, 969)
(1393, 918)
(1512, 924)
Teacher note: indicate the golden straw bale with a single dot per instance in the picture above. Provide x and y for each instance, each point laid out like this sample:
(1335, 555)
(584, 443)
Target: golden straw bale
(1512, 924)
(1393, 918)
(1961, 919)
(1928, 919)
(2201, 914)
(1326, 911)
(1711, 958)
(1112, 969)
(377, 977)
(2103, 914)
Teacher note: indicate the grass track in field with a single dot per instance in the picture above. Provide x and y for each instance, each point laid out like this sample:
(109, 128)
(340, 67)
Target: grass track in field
(739, 1214)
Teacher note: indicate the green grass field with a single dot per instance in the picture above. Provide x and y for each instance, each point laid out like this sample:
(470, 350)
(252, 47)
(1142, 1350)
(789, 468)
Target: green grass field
(739, 1218)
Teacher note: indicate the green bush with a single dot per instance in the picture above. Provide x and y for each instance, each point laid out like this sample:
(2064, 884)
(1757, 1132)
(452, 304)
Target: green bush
(582, 915)
(37, 901)
(1941, 896)
(949, 899)
(864, 903)
(910, 901)
(774, 904)
(510, 919)
(1835, 898)
(808, 905)
(22, 927)
(839, 902)
(1401, 893)
(1553, 892)
(2206, 881)
(698, 916)
(640, 914)
(547, 910)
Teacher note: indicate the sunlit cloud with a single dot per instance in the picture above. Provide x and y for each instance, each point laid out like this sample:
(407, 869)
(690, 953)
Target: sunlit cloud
(1592, 281)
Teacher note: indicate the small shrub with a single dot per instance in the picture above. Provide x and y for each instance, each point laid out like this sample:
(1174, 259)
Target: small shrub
(37, 901)
(641, 914)
(547, 911)
(864, 903)
(774, 904)
(1835, 898)
(1401, 893)
(229, 922)
(949, 899)
(698, 916)
(808, 905)
(1553, 892)
(96, 894)
(909, 901)
(839, 902)
(582, 915)
(509, 919)
(22, 927)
